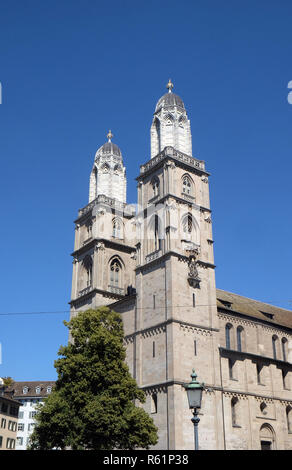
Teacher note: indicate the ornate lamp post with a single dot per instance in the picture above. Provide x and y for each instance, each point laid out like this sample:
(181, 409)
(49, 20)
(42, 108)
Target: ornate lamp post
(194, 391)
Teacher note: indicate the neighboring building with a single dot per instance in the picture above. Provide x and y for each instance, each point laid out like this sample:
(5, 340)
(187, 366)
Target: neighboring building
(156, 267)
(8, 419)
(28, 395)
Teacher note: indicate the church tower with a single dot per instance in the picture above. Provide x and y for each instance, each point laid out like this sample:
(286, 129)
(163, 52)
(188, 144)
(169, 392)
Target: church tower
(104, 251)
(176, 323)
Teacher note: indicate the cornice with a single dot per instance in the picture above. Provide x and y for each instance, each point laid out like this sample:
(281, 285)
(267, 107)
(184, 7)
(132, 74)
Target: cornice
(107, 243)
(167, 255)
(241, 355)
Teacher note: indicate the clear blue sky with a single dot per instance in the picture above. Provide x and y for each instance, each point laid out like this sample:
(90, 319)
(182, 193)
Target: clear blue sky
(70, 70)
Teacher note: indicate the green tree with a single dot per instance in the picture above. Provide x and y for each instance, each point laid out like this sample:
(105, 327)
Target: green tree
(92, 405)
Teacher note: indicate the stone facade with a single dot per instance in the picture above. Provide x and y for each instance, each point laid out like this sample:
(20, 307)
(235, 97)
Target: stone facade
(156, 267)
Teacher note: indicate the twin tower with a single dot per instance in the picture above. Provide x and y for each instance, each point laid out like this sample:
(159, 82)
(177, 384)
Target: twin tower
(153, 262)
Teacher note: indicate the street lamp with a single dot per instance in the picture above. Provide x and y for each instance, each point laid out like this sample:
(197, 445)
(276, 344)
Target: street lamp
(194, 391)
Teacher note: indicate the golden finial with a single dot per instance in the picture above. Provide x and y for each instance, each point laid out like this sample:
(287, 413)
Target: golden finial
(110, 135)
(169, 86)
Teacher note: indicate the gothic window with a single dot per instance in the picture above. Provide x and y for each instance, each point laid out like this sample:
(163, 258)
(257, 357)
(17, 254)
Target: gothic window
(187, 185)
(117, 228)
(105, 168)
(115, 273)
(231, 364)
(87, 263)
(155, 186)
(187, 224)
(169, 119)
(285, 379)
(259, 368)
(275, 346)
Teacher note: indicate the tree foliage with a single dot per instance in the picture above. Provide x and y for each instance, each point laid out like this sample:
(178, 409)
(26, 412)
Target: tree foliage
(92, 405)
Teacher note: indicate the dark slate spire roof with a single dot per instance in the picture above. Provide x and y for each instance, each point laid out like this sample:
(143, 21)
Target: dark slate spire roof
(109, 148)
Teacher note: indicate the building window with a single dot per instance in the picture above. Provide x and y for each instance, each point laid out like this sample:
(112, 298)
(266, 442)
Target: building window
(14, 410)
(187, 185)
(155, 186)
(285, 379)
(195, 347)
(10, 443)
(259, 373)
(234, 411)
(38, 390)
(284, 349)
(4, 407)
(87, 263)
(263, 408)
(19, 441)
(228, 335)
(239, 331)
(115, 273)
(187, 224)
(20, 427)
(1, 440)
(194, 300)
(275, 346)
(231, 363)
(25, 390)
(267, 437)
(289, 418)
(154, 403)
(3, 423)
(20, 414)
(117, 228)
(49, 389)
(153, 349)
(153, 302)
(32, 414)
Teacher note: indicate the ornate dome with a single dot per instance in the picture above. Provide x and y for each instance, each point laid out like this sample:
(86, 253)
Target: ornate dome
(109, 148)
(169, 100)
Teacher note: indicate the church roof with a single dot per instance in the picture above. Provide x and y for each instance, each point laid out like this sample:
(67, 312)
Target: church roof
(254, 308)
(169, 100)
(109, 148)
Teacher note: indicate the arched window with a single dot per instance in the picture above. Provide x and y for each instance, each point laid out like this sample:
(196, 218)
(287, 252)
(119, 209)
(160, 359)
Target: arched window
(187, 185)
(228, 328)
(284, 348)
(155, 186)
(275, 346)
(117, 228)
(267, 437)
(154, 403)
(289, 418)
(115, 273)
(239, 331)
(87, 263)
(187, 224)
(234, 411)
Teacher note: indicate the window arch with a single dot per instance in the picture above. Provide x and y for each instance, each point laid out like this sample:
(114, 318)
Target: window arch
(234, 411)
(155, 234)
(187, 224)
(284, 343)
(187, 185)
(115, 273)
(228, 328)
(117, 228)
(267, 437)
(275, 341)
(239, 338)
(87, 263)
(289, 418)
(155, 186)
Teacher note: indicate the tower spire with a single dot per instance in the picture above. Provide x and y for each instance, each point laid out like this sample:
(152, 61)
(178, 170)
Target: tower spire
(110, 135)
(169, 86)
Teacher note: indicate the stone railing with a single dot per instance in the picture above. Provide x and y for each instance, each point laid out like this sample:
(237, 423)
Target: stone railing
(85, 291)
(154, 255)
(176, 155)
(109, 201)
(116, 290)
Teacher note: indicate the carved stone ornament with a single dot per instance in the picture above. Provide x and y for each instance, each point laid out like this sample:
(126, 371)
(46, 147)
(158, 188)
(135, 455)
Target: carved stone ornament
(193, 275)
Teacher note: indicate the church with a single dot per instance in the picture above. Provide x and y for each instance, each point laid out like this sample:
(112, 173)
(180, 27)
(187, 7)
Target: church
(153, 262)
